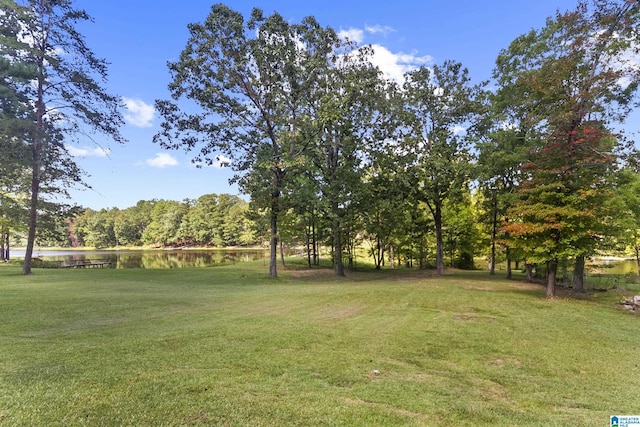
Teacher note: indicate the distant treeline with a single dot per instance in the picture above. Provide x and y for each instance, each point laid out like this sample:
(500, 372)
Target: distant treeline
(211, 220)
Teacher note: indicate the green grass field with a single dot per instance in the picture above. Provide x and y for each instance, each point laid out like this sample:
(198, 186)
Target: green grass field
(228, 346)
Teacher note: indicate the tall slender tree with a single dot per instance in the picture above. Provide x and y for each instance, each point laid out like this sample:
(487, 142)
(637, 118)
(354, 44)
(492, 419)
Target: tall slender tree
(440, 103)
(629, 190)
(348, 108)
(66, 94)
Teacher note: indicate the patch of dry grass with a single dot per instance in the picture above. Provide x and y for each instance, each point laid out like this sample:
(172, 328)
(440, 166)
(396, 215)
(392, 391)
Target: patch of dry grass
(230, 346)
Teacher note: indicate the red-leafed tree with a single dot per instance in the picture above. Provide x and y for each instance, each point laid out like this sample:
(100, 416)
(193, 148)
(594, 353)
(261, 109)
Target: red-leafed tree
(565, 207)
(572, 82)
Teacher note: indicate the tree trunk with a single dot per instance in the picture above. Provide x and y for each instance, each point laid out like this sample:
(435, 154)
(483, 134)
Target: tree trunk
(494, 233)
(578, 274)
(509, 271)
(638, 259)
(529, 269)
(33, 217)
(392, 260)
(273, 249)
(437, 218)
(36, 157)
(552, 271)
(7, 251)
(337, 243)
(281, 252)
(308, 250)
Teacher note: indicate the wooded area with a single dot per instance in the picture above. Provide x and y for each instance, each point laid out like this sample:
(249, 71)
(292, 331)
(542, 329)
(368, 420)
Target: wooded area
(434, 169)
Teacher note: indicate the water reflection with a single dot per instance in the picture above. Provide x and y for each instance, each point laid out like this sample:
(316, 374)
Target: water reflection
(151, 259)
(612, 266)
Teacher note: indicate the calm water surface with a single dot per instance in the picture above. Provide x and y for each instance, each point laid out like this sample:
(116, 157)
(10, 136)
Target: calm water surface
(173, 258)
(178, 258)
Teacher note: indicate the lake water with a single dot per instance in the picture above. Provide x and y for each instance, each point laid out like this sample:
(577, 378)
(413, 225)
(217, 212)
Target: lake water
(178, 258)
(612, 266)
(172, 258)
(617, 266)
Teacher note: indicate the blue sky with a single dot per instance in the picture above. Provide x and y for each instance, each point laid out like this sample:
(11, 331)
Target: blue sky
(138, 37)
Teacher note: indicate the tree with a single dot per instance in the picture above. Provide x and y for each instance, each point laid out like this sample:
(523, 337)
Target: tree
(66, 94)
(383, 205)
(574, 80)
(128, 227)
(440, 102)
(348, 110)
(461, 232)
(501, 153)
(564, 208)
(165, 222)
(16, 122)
(247, 80)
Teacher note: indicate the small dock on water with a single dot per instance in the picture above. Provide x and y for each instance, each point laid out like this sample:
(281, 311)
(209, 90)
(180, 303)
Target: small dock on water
(85, 263)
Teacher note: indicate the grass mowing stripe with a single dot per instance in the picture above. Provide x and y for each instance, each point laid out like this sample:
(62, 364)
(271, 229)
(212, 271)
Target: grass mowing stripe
(229, 346)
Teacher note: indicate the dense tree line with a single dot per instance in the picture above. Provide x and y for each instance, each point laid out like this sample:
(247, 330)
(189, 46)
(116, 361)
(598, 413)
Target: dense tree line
(227, 221)
(312, 126)
(432, 170)
(211, 220)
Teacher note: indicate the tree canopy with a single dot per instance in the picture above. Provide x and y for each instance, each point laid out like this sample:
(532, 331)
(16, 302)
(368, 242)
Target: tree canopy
(55, 94)
(435, 168)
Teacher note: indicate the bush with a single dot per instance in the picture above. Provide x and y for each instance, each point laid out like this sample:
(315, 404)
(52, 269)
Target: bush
(465, 261)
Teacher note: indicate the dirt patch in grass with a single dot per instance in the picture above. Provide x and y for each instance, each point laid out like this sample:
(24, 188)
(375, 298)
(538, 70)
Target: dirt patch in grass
(314, 274)
(480, 288)
(526, 286)
(493, 391)
(389, 408)
(473, 318)
(339, 313)
(506, 362)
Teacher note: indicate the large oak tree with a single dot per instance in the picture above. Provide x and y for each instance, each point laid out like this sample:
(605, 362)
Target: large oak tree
(239, 90)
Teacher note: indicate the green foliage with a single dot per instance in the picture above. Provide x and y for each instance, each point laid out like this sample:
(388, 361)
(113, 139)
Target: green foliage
(249, 79)
(440, 104)
(53, 94)
(565, 87)
(460, 232)
(628, 214)
(212, 220)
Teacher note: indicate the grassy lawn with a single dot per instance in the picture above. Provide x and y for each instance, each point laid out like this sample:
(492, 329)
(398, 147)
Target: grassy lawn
(229, 346)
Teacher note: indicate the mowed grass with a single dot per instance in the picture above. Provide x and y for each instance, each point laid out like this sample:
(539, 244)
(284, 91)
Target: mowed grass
(228, 346)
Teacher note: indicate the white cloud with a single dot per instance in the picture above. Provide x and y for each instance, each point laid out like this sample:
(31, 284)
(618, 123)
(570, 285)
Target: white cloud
(379, 29)
(628, 61)
(395, 65)
(162, 160)
(352, 34)
(222, 161)
(139, 113)
(87, 151)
